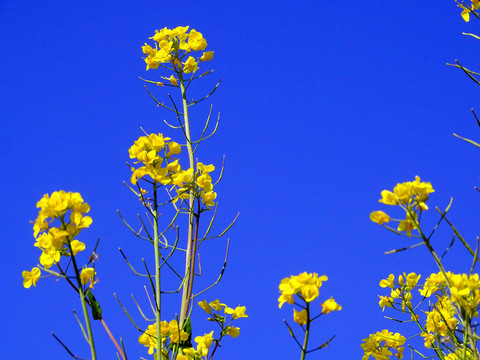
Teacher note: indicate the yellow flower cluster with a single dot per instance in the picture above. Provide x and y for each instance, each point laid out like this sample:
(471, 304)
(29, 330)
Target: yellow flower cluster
(381, 344)
(400, 290)
(455, 294)
(170, 331)
(467, 10)
(172, 46)
(203, 347)
(172, 334)
(155, 153)
(461, 354)
(464, 290)
(57, 241)
(307, 288)
(441, 321)
(216, 305)
(219, 313)
(304, 285)
(410, 196)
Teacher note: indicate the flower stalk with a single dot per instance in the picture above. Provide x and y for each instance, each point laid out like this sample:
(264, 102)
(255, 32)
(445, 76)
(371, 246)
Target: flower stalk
(307, 333)
(157, 273)
(188, 279)
(84, 304)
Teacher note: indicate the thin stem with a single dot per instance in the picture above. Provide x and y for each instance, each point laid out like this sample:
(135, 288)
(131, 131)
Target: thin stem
(84, 304)
(191, 200)
(307, 332)
(157, 272)
(192, 265)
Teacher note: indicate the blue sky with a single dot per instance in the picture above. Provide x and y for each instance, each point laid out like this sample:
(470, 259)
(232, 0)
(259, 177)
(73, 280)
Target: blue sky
(323, 105)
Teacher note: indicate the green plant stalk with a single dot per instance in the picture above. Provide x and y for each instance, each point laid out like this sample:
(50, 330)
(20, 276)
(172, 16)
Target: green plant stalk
(187, 284)
(437, 350)
(427, 243)
(157, 273)
(84, 304)
(307, 333)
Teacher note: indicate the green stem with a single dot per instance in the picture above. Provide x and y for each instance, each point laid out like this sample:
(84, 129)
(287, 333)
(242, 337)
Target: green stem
(187, 284)
(427, 243)
(307, 333)
(84, 304)
(157, 273)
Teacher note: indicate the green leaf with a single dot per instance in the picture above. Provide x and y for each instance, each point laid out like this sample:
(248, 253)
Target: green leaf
(96, 309)
(187, 327)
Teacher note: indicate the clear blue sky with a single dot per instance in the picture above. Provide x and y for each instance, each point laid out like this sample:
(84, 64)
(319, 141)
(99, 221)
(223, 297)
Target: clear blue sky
(323, 104)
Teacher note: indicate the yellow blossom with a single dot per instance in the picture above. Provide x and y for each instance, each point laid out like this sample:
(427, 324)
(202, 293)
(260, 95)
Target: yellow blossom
(330, 305)
(217, 305)
(300, 317)
(31, 277)
(204, 305)
(172, 80)
(190, 65)
(239, 312)
(379, 217)
(233, 331)
(87, 275)
(207, 56)
(77, 246)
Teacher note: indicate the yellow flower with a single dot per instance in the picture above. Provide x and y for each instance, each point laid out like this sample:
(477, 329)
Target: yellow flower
(80, 221)
(151, 62)
(204, 342)
(206, 56)
(407, 225)
(412, 279)
(330, 305)
(217, 305)
(189, 354)
(208, 198)
(385, 301)
(190, 65)
(233, 331)
(49, 257)
(196, 40)
(301, 318)
(176, 334)
(148, 338)
(379, 217)
(173, 148)
(77, 246)
(389, 282)
(465, 14)
(205, 169)
(204, 305)
(239, 312)
(388, 198)
(147, 49)
(380, 344)
(86, 275)
(30, 277)
(172, 80)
